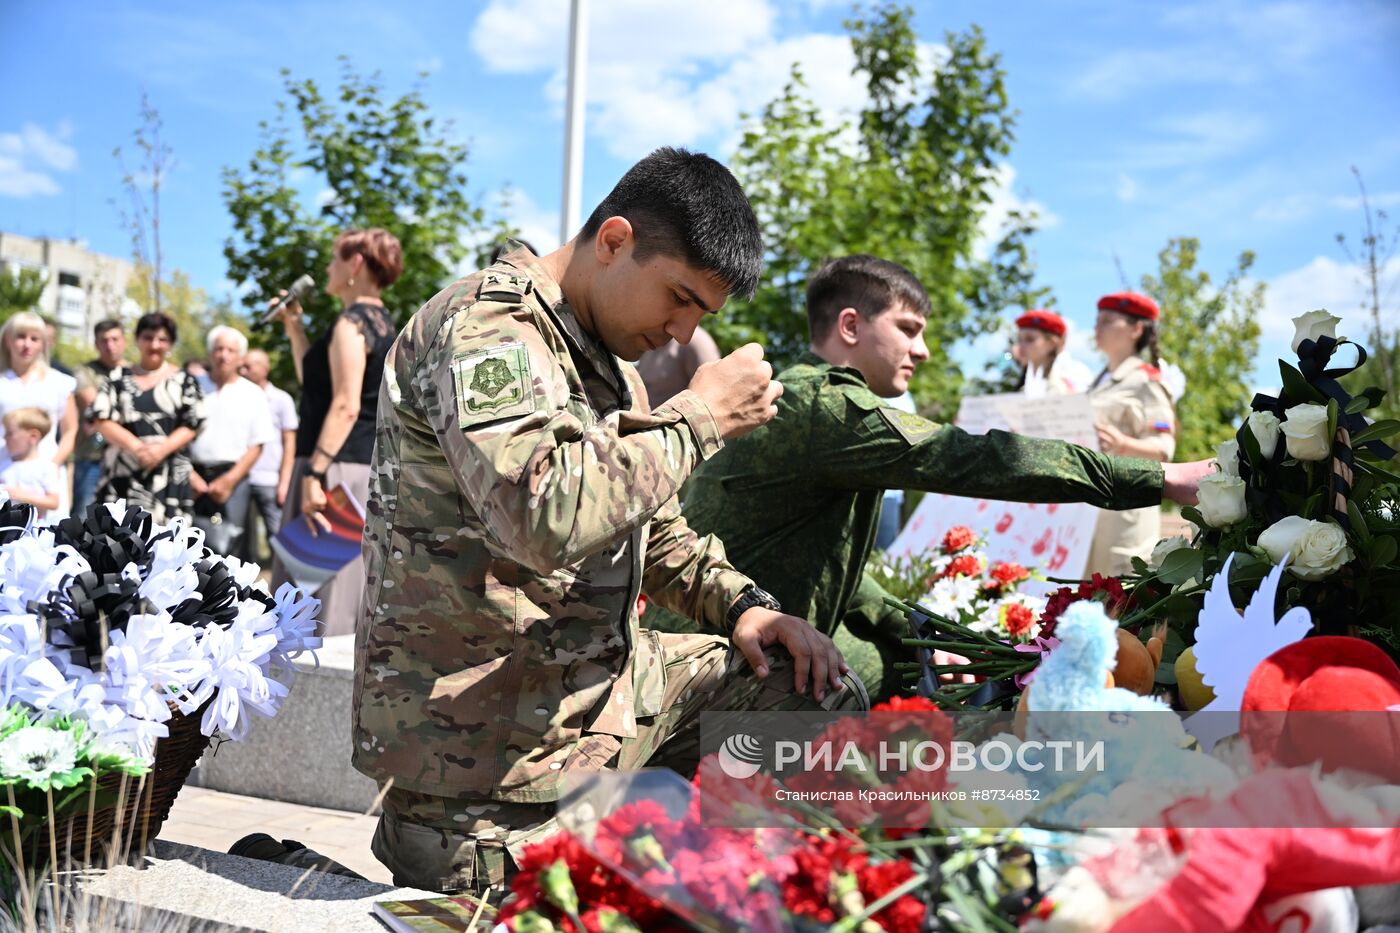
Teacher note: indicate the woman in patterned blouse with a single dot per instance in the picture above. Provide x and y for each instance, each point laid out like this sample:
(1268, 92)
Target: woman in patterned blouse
(149, 413)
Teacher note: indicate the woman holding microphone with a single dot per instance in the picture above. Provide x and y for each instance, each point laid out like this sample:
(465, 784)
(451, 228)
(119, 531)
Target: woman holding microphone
(340, 372)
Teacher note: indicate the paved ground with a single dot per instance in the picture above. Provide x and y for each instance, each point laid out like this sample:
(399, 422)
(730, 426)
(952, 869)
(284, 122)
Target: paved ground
(215, 820)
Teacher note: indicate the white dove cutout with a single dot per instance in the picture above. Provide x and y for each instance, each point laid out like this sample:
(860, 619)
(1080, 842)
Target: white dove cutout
(1229, 647)
(1037, 383)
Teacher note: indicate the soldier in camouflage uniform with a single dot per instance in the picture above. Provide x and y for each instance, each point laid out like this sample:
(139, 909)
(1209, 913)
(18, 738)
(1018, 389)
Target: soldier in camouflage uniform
(797, 502)
(523, 495)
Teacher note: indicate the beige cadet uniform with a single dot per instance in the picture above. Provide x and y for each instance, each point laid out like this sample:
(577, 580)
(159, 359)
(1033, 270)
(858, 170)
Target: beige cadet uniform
(1132, 399)
(523, 493)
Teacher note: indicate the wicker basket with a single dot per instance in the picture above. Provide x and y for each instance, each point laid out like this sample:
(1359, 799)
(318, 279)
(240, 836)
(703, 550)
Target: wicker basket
(129, 824)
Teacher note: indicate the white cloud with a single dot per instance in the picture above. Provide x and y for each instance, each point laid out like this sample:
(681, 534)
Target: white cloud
(1378, 200)
(1127, 190)
(1223, 44)
(672, 72)
(16, 181)
(1004, 201)
(29, 158)
(1296, 207)
(1321, 283)
(537, 224)
(1198, 138)
(523, 36)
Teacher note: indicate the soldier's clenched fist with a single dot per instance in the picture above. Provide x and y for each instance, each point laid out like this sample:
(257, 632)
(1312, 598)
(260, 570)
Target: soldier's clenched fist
(739, 390)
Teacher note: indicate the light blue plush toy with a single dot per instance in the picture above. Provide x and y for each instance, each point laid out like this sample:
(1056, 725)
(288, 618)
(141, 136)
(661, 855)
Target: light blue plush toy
(1071, 678)
(1145, 761)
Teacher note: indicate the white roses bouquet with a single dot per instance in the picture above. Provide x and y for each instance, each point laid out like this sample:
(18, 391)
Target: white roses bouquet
(1306, 480)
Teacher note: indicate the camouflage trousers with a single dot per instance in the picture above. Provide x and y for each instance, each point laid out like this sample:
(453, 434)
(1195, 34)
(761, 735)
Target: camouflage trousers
(470, 846)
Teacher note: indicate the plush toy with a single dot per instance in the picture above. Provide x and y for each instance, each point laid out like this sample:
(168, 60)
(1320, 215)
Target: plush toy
(1147, 761)
(1241, 872)
(1136, 664)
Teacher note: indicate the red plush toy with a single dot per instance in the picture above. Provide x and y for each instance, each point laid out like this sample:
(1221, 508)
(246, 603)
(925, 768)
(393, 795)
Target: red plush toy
(1237, 871)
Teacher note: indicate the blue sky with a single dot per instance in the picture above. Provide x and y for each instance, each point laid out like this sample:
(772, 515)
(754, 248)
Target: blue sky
(1233, 122)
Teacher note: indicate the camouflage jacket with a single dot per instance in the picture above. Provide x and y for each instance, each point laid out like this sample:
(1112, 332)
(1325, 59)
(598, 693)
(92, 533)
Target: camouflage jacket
(522, 494)
(797, 501)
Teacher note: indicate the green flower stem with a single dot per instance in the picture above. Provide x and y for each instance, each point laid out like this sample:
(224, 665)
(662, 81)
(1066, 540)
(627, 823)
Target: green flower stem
(963, 648)
(847, 924)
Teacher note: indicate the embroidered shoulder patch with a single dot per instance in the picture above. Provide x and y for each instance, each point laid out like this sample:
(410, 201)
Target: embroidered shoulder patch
(910, 427)
(493, 384)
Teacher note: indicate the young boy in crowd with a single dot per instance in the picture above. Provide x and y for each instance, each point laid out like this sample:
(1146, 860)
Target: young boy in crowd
(29, 477)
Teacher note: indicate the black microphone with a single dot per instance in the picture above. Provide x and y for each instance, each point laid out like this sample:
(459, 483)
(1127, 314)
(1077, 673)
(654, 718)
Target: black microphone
(299, 288)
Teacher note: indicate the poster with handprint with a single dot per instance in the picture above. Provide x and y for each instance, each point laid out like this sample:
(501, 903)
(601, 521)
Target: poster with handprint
(1055, 538)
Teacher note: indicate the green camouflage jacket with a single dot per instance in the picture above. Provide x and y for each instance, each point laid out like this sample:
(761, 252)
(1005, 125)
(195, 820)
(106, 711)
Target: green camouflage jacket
(522, 494)
(797, 501)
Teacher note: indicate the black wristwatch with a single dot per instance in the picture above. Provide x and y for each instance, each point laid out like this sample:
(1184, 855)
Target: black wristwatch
(751, 596)
(318, 475)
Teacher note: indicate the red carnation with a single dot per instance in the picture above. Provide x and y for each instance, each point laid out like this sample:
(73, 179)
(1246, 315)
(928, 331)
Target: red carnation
(898, 704)
(968, 565)
(957, 538)
(1008, 573)
(906, 914)
(1018, 620)
(1107, 590)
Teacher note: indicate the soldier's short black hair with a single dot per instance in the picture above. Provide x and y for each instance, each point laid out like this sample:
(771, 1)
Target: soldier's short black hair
(866, 283)
(687, 205)
(105, 325)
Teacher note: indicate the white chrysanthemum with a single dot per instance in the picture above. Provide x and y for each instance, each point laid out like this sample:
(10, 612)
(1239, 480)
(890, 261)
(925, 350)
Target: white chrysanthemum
(237, 681)
(36, 754)
(114, 726)
(158, 651)
(170, 578)
(32, 567)
(296, 623)
(962, 591)
(244, 574)
(988, 620)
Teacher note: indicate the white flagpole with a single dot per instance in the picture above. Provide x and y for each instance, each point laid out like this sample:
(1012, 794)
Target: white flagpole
(574, 119)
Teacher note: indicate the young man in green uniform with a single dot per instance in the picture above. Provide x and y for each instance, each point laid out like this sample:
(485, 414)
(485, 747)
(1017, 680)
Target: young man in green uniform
(797, 501)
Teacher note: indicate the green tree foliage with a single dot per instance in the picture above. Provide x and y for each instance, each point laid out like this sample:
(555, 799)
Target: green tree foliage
(1211, 331)
(908, 179)
(190, 307)
(20, 289)
(382, 163)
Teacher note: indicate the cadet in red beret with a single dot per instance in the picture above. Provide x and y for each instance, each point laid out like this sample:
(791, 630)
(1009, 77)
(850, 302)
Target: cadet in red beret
(1130, 303)
(1040, 350)
(1135, 417)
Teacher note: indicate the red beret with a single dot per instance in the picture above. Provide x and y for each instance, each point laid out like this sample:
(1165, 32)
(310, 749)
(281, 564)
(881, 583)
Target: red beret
(1130, 303)
(1048, 321)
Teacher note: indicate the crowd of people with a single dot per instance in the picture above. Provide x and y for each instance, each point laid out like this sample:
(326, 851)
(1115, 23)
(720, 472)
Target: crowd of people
(215, 441)
(212, 441)
(520, 494)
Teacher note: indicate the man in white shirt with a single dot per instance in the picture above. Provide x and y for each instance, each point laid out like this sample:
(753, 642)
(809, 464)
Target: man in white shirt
(237, 425)
(272, 474)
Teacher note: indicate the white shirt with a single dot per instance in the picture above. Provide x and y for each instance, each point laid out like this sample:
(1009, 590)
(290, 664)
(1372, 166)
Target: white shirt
(267, 471)
(40, 474)
(49, 392)
(236, 418)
